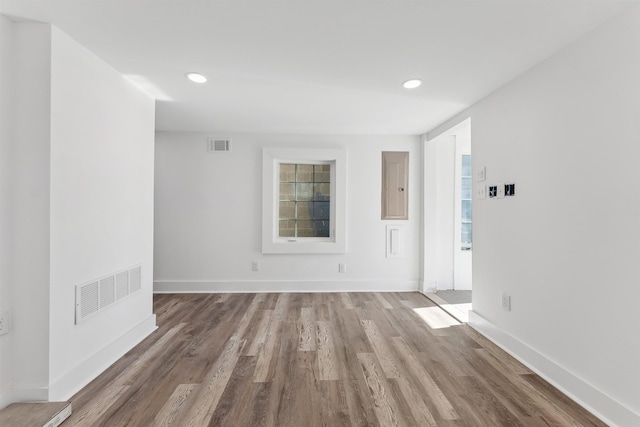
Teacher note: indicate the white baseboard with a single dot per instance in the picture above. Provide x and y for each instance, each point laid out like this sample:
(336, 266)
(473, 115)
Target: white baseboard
(24, 393)
(70, 383)
(253, 286)
(595, 401)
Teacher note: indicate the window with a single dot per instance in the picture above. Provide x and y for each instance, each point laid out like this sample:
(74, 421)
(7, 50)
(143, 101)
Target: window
(303, 201)
(465, 200)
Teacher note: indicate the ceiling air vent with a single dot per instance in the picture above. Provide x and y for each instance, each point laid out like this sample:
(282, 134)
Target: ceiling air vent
(218, 144)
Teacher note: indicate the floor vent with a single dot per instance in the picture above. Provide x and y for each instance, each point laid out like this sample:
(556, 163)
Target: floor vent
(217, 144)
(95, 295)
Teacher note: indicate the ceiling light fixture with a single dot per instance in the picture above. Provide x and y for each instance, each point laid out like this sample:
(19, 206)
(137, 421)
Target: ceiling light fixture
(412, 84)
(196, 77)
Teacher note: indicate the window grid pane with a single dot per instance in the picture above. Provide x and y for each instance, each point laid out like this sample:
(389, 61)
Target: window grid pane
(466, 235)
(304, 200)
(466, 165)
(466, 188)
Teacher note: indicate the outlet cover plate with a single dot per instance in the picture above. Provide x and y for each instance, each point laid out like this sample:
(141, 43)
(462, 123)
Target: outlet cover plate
(506, 302)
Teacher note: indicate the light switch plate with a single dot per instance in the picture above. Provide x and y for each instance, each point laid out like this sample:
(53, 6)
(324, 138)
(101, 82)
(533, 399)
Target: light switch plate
(506, 302)
(481, 192)
(500, 193)
(481, 174)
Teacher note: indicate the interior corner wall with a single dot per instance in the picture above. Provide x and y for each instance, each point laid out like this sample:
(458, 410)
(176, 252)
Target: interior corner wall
(6, 96)
(76, 181)
(29, 212)
(565, 247)
(102, 143)
(208, 214)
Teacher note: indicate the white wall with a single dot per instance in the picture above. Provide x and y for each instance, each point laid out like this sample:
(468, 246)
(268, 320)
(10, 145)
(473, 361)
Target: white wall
(439, 213)
(6, 97)
(208, 218)
(565, 247)
(102, 133)
(76, 170)
(29, 257)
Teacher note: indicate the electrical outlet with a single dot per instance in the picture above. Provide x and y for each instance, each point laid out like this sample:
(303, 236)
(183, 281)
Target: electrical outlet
(4, 322)
(342, 268)
(255, 265)
(506, 302)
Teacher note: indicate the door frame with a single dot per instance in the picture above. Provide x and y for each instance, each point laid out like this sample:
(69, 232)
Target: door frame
(439, 207)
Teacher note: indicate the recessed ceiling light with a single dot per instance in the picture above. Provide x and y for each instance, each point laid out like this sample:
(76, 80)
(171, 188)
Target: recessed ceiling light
(196, 77)
(412, 84)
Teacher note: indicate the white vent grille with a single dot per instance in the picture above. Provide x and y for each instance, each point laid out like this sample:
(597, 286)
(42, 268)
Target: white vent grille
(94, 296)
(107, 291)
(89, 299)
(218, 144)
(122, 284)
(135, 279)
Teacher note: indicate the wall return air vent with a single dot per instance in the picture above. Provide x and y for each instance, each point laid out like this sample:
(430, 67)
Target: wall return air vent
(95, 295)
(218, 144)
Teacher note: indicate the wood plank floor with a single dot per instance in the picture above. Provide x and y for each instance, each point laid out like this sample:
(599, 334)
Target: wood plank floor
(335, 359)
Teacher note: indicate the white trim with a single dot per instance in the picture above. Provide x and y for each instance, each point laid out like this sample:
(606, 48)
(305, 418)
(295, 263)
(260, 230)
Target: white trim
(27, 394)
(252, 286)
(67, 385)
(595, 401)
(271, 158)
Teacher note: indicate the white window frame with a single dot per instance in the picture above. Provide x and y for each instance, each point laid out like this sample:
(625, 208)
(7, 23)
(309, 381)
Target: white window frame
(271, 160)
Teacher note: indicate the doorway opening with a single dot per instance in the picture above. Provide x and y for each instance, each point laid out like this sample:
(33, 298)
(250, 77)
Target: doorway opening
(449, 221)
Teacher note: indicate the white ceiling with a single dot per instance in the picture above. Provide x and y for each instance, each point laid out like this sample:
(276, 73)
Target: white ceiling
(303, 66)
